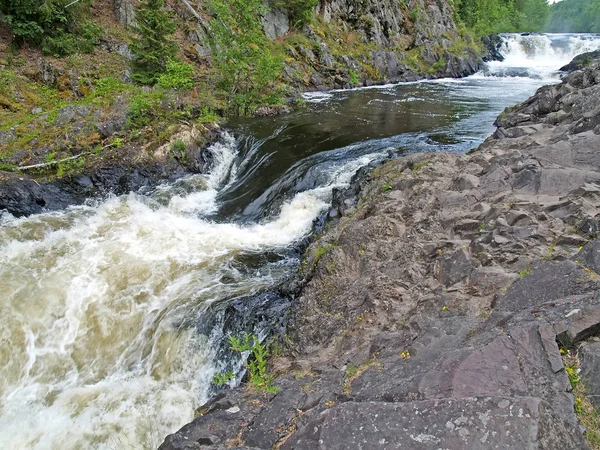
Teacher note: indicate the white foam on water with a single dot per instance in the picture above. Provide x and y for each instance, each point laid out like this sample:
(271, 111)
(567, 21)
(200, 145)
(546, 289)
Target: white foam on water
(540, 55)
(205, 202)
(98, 347)
(316, 97)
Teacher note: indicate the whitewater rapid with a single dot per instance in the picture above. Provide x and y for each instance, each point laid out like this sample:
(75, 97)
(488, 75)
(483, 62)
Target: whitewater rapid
(539, 56)
(98, 345)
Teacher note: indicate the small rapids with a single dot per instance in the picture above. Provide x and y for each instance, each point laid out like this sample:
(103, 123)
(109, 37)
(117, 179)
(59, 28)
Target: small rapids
(100, 345)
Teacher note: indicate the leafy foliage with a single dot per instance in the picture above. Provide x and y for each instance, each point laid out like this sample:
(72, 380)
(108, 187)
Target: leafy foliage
(53, 25)
(301, 11)
(247, 64)
(221, 379)
(496, 16)
(581, 16)
(153, 47)
(178, 75)
(257, 362)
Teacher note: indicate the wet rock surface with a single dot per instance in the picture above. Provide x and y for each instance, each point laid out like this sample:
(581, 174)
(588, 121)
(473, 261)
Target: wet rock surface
(430, 313)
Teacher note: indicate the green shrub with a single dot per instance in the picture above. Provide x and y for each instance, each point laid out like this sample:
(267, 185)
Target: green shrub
(221, 379)
(178, 146)
(248, 65)
(153, 46)
(143, 109)
(178, 75)
(256, 363)
(53, 25)
(301, 11)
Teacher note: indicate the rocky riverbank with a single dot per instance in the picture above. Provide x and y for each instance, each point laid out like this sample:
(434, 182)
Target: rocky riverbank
(437, 310)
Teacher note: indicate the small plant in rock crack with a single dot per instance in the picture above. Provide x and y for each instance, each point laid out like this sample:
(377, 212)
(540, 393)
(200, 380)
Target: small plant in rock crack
(221, 379)
(256, 363)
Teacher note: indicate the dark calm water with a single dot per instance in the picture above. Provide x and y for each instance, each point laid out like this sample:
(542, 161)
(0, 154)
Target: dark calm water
(284, 155)
(101, 343)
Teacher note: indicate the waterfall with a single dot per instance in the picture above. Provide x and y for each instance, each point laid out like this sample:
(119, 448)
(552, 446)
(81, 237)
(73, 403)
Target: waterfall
(539, 56)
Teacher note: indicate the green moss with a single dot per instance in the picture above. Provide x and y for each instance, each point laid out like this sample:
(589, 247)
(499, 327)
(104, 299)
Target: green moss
(418, 166)
(320, 251)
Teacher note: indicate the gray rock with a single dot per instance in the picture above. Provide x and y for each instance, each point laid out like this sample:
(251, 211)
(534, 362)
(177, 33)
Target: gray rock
(125, 12)
(455, 267)
(544, 283)
(590, 370)
(8, 136)
(589, 256)
(276, 23)
(473, 423)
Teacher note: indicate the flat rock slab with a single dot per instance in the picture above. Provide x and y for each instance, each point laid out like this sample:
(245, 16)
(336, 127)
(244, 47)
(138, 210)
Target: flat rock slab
(544, 282)
(468, 423)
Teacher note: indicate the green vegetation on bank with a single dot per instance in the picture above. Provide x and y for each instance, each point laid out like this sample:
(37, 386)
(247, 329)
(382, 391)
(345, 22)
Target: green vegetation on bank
(578, 16)
(58, 27)
(256, 364)
(152, 46)
(497, 16)
(248, 65)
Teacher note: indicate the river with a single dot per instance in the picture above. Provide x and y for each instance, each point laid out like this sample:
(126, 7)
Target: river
(101, 342)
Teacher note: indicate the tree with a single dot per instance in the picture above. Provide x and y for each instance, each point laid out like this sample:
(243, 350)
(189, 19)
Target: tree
(581, 16)
(153, 46)
(248, 66)
(57, 26)
(497, 16)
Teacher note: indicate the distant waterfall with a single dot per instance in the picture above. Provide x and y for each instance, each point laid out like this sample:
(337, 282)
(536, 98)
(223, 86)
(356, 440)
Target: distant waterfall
(539, 56)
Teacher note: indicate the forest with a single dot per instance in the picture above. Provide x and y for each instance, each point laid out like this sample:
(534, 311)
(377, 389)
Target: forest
(580, 16)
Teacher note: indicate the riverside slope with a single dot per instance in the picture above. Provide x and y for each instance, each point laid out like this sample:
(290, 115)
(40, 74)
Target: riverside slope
(432, 319)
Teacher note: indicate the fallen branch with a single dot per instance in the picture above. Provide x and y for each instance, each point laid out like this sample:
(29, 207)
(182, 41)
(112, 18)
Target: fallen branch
(192, 10)
(51, 163)
(72, 3)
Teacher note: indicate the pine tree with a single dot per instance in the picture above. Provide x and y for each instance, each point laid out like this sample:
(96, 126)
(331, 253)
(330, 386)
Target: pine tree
(153, 46)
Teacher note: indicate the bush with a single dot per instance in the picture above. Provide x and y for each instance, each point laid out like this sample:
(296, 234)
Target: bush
(52, 25)
(248, 65)
(143, 109)
(178, 75)
(256, 363)
(301, 11)
(153, 46)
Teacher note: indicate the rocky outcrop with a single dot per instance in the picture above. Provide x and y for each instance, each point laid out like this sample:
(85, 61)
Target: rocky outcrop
(431, 313)
(397, 41)
(118, 171)
(276, 23)
(356, 43)
(581, 61)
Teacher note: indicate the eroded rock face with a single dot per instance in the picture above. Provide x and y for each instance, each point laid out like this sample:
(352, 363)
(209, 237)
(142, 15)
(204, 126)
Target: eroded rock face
(432, 319)
(276, 23)
(125, 12)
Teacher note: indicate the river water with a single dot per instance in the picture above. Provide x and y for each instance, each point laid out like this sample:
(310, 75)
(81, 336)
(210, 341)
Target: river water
(100, 341)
